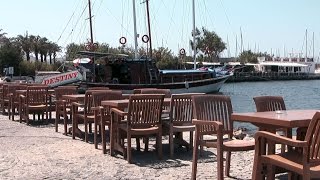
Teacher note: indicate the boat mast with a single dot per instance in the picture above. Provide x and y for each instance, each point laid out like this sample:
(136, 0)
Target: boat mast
(149, 28)
(91, 40)
(313, 46)
(194, 35)
(306, 45)
(135, 30)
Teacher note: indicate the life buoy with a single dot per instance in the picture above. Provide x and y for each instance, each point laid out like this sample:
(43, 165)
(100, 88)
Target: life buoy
(123, 40)
(145, 38)
(182, 51)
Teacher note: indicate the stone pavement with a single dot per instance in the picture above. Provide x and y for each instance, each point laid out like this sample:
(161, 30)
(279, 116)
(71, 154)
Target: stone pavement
(38, 152)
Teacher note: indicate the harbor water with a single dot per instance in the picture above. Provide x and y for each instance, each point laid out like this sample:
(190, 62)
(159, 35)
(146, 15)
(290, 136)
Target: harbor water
(297, 94)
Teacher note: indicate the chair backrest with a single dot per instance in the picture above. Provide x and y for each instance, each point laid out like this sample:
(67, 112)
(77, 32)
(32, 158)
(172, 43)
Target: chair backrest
(145, 110)
(313, 138)
(88, 99)
(181, 108)
(166, 92)
(138, 91)
(37, 95)
(99, 96)
(269, 103)
(12, 88)
(213, 108)
(64, 90)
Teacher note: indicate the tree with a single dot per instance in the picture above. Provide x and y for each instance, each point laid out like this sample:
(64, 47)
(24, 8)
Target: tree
(248, 57)
(35, 44)
(166, 59)
(209, 43)
(72, 50)
(43, 48)
(26, 44)
(3, 38)
(10, 55)
(53, 48)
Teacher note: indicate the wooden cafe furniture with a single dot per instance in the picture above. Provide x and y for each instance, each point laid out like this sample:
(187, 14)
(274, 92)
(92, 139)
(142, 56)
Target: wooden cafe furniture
(303, 159)
(142, 120)
(271, 121)
(180, 120)
(102, 115)
(212, 115)
(63, 106)
(86, 116)
(35, 101)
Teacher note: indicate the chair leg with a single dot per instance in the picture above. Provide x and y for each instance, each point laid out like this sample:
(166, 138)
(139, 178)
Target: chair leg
(191, 140)
(57, 119)
(138, 144)
(227, 168)
(220, 163)
(85, 130)
(95, 134)
(201, 147)
(129, 158)
(271, 172)
(104, 139)
(65, 123)
(195, 157)
(73, 127)
(159, 143)
(146, 144)
(171, 142)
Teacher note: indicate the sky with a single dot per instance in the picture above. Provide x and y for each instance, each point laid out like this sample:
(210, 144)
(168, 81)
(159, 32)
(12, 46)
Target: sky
(273, 26)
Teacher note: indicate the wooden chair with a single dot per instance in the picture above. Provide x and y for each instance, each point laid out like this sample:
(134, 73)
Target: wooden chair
(14, 98)
(34, 102)
(304, 159)
(63, 107)
(143, 120)
(212, 117)
(102, 116)
(86, 116)
(180, 119)
(271, 103)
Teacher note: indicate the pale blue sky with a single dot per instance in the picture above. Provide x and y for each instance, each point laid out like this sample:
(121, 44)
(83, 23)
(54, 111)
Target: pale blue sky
(279, 25)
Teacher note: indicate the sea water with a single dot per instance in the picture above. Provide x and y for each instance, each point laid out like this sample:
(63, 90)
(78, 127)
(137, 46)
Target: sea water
(297, 94)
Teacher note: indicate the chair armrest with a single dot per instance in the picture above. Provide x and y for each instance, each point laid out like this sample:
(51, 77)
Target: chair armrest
(118, 112)
(76, 104)
(279, 139)
(216, 124)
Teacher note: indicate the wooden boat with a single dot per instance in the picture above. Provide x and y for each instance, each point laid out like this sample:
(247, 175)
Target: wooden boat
(126, 74)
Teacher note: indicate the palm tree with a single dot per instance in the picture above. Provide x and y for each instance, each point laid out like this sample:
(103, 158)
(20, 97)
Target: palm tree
(55, 48)
(25, 43)
(35, 44)
(43, 48)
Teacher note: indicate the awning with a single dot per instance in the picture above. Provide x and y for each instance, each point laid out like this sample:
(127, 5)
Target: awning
(99, 54)
(283, 64)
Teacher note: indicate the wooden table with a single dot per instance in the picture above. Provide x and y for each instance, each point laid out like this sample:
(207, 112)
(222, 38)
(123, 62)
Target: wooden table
(271, 120)
(121, 104)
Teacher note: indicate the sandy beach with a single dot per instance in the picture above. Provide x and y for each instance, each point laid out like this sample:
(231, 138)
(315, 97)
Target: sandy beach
(38, 152)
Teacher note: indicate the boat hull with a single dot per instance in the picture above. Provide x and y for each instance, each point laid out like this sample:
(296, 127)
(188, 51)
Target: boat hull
(210, 85)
